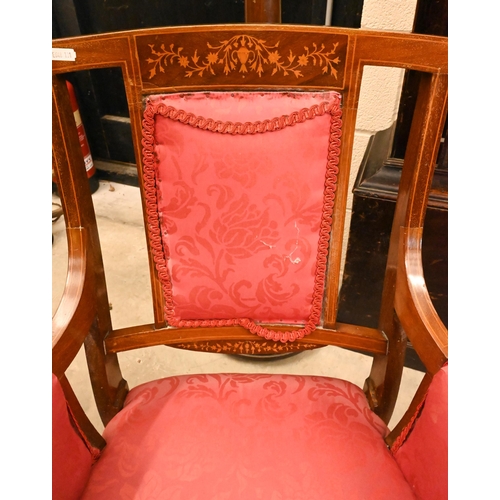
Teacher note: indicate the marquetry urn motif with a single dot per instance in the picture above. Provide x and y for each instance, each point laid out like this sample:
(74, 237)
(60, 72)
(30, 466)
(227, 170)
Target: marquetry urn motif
(243, 54)
(228, 57)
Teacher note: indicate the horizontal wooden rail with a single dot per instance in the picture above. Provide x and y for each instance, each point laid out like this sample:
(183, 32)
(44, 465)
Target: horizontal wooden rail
(237, 340)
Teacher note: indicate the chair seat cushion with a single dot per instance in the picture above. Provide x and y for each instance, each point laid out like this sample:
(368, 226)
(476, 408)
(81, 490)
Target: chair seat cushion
(259, 436)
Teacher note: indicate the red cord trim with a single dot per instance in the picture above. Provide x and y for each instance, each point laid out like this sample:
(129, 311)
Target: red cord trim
(95, 453)
(401, 439)
(154, 107)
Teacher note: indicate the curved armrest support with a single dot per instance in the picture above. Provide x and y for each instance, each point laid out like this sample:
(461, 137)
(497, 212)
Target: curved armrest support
(76, 311)
(413, 304)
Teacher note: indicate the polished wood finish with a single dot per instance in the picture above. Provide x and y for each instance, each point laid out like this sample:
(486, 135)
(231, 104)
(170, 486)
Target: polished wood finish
(265, 11)
(223, 58)
(85, 425)
(176, 59)
(229, 339)
(83, 312)
(416, 178)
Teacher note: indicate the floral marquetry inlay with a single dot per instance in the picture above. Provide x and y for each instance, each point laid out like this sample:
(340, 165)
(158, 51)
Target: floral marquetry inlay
(244, 54)
(246, 347)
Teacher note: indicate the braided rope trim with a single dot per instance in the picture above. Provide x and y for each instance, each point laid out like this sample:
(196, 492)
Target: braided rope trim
(401, 439)
(156, 107)
(95, 453)
(405, 433)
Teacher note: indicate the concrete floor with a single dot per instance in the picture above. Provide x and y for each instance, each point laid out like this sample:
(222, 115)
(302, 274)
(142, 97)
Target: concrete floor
(123, 243)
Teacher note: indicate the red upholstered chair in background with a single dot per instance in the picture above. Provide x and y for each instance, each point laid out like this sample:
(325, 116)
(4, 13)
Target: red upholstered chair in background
(243, 137)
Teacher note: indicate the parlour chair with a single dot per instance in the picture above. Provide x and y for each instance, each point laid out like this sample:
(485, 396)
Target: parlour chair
(243, 139)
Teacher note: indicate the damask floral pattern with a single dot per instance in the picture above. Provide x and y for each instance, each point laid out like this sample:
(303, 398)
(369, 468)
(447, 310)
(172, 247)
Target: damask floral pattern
(239, 186)
(257, 436)
(421, 449)
(243, 169)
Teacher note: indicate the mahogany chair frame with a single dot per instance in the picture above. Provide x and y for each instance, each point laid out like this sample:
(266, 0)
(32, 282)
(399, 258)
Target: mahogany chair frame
(83, 315)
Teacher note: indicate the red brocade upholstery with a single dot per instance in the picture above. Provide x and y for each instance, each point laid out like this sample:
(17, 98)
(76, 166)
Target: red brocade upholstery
(253, 436)
(207, 437)
(240, 223)
(71, 458)
(423, 457)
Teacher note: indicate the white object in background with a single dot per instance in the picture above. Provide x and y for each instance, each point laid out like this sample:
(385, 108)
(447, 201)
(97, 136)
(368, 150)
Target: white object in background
(63, 55)
(328, 16)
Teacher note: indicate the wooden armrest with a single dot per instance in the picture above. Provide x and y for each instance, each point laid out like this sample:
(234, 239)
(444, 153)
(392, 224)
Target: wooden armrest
(413, 305)
(418, 318)
(76, 311)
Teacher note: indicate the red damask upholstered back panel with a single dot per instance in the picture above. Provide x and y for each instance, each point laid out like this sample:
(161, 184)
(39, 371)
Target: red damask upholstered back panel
(240, 189)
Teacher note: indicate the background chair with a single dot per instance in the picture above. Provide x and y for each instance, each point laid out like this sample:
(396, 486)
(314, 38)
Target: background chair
(224, 94)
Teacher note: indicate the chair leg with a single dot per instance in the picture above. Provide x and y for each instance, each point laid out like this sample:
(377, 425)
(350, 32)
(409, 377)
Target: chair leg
(382, 386)
(108, 385)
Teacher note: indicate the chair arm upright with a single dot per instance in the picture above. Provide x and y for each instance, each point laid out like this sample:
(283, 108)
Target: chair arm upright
(83, 315)
(416, 178)
(413, 304)
(76, 311)
(418, 318)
